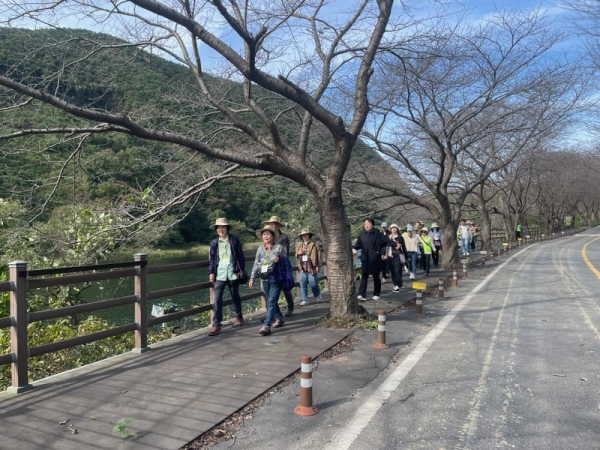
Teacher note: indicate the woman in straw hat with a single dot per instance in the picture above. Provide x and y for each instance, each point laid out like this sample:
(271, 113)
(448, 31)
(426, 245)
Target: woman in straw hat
(267, 255)
(309, 264)
(226, 264)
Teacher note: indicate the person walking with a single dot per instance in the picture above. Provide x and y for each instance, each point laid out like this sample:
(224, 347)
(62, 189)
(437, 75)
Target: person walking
(436, 237)
(427, 248)
(385, 267)
(284, 241)
(398, 256)
(307, 254)
(474, 234)
(371, 242)
(464, 234)
(518, 231)
(226, 264)
(267, 255)
(411, 240)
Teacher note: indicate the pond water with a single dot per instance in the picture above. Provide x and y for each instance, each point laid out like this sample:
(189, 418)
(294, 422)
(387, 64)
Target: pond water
(121, 287)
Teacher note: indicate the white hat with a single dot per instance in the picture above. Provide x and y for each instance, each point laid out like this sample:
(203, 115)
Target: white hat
(434, 225)
(394, 225)
(383, 224)
(424, 229)
(409, 227)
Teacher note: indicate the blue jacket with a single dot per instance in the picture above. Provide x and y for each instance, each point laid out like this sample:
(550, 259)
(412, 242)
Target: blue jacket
(236, 251)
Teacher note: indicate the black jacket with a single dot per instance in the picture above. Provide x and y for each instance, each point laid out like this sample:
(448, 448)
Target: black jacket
(372, 246)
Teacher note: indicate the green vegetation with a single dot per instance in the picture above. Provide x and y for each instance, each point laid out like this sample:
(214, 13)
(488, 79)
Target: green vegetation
(122, 426)
(68, 200)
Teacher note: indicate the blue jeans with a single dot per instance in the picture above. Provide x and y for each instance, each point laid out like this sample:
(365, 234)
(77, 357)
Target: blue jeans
(305, 280)
(235, 296)
(412, 262)
(272, 291)
(464, 244)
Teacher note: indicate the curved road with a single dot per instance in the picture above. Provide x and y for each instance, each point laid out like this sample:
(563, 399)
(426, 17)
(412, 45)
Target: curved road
(516, 364)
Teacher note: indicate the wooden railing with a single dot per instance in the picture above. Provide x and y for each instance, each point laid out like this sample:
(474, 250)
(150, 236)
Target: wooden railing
(21, 280)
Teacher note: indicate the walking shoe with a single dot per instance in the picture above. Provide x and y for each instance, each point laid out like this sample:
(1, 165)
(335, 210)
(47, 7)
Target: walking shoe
(238, 322)
(319, 299)
(278, 323)
(361, 298)
(290, 312)
(384, 280)
(215, 329)
(412, 276)
(304, 303)
(265, 330)
(405, 269)
(396, 289)
(376, 297)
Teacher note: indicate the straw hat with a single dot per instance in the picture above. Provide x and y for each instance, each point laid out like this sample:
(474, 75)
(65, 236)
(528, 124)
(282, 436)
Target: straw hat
(221, 221)
(305, 231)
(274, 219)
(273, 231)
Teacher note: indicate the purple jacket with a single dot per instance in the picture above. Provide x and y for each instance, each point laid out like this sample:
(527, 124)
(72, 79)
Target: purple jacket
(236, 251)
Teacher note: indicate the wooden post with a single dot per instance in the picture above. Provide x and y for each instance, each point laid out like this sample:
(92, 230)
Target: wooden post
(263, 299)
(18, 330)
(141, 303)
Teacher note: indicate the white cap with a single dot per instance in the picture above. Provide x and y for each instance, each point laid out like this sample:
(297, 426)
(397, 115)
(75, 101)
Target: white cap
(383, 224)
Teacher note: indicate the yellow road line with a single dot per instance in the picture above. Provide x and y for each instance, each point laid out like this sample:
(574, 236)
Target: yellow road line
(587, 261)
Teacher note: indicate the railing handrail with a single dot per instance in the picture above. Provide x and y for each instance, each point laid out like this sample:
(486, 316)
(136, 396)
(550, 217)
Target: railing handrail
(19, 318)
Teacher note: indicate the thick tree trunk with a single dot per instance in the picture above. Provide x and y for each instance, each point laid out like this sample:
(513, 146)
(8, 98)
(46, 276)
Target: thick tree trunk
(449, 243)
(509, 225)
(485, 229)
(338, 250)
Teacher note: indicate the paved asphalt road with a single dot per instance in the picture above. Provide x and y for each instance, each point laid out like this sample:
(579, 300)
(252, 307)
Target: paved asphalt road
(511, 360)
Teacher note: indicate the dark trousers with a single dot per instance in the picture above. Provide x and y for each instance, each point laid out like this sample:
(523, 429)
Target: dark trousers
(396, 270)
(426, 262)
(435, 256)
(289, 299)
(235, 296)
(362, 290)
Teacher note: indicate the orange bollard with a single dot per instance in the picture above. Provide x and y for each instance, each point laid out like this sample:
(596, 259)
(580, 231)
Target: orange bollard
(381, 331)
(306, 408)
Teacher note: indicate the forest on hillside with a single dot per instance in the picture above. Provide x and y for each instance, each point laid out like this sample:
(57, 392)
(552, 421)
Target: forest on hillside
(115, 190)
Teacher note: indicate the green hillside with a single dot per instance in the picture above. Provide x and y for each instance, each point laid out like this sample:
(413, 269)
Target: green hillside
(123, 174)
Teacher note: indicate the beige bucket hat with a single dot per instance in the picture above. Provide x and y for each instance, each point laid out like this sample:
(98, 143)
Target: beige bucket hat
(268, 228)
(274, 219)
(305, 231)
(221, 221)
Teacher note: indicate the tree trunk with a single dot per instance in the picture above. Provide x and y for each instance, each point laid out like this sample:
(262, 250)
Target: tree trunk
(337, 241)
(485, 230)
(449, 243)
(509, 225)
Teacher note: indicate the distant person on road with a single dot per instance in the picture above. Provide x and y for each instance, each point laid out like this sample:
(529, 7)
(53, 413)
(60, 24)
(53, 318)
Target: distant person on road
(518, 231)
(398, 256)
(385, 265)
(436, 237)
(411, 239)
(284, 241)
(427, 248)
(267, 255)
(226, 264)
(371, 242)
(474, 234)
(309, 264)
(464, 235)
